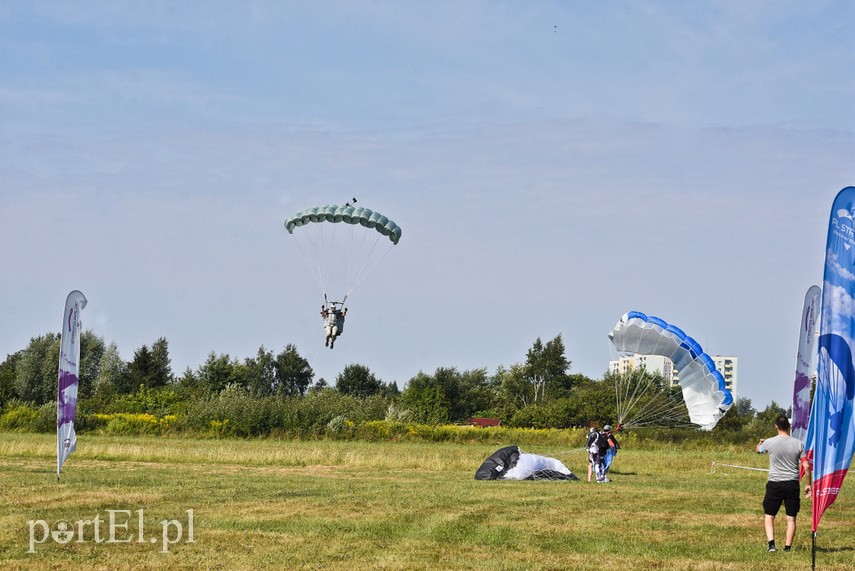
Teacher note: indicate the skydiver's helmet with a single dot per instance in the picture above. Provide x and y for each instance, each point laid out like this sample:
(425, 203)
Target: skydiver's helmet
(593, 430)
(607, 428)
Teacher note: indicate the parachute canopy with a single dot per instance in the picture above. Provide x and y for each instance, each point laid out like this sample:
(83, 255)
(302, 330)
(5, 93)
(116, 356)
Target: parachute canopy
(342, 244)
(347, 214)
(511, 463)
(706, 397)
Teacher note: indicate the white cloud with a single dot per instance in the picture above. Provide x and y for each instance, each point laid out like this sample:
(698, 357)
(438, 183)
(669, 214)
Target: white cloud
(842, 310)
(844, 273)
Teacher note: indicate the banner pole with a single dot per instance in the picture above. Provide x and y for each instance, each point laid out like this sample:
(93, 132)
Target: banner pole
(813, 553)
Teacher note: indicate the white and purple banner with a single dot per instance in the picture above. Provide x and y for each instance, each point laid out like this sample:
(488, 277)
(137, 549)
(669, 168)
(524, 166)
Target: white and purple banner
(831, 432)
(69, 369)
(805, 364)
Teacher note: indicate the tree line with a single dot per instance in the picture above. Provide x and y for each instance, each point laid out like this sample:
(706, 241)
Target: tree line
(539, 392)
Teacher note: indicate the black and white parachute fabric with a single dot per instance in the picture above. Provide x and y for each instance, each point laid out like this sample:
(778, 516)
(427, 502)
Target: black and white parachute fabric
(511, 463)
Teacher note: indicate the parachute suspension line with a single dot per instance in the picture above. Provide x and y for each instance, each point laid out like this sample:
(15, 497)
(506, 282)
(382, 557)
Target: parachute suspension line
(628, 395)
(340, 256)
(356, 263)
(311, 243)
(641, 401)
(627, 401)
(351, 256)
(666, 411)
(626, 404)
(365, 269)
(662, 409)
(327, 253)
(620, 399)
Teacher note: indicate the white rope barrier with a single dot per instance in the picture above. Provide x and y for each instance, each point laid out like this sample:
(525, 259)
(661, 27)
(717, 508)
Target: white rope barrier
(714, 464)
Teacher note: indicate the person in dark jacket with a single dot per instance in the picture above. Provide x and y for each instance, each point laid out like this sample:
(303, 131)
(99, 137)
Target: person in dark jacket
(596, 444)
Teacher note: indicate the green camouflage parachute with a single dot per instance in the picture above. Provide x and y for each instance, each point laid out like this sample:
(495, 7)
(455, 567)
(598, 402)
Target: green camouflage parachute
(349, 215)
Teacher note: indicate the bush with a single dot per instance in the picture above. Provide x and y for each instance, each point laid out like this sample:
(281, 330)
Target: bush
(46, 418)
(19, 417)
(128, 424)
(22, 417)
(158, 401)
(325, 413)
(556, 414)
(381, 431)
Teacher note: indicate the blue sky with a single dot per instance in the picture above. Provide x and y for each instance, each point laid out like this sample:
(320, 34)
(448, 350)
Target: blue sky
(552, 164)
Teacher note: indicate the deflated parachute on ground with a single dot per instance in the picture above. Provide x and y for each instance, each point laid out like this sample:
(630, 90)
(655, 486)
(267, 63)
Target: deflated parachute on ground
(511, 463)
(347, 214)
(704, 392)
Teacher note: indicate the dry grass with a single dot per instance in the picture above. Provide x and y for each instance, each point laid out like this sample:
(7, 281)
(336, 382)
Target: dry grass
(403, 506)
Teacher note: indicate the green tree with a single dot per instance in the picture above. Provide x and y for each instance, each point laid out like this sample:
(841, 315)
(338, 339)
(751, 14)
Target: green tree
(259, 373)
(161, 373)
(514, 389)
(478, 394)
(390, 390)
(426, 399)
(732, 421)
(743, 408)
(218, 372)
(112, 376)
(356, 380)
(91, 350)
(191, 386)
(592, 403)
(140, 370)
(447, 395)
(150, 367)
(319, 386)
(37, 370)
(764, 421)
(293, 373)
(546, 369)
(7, 377)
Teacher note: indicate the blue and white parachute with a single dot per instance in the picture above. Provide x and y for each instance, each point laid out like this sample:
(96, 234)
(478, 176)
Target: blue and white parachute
(706, 397)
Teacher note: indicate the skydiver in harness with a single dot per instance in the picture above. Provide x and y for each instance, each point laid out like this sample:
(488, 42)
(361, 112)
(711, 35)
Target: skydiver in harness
(333, 322)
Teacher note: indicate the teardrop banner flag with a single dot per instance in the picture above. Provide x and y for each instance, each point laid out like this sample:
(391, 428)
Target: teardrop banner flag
(69, 370)
(805, 363)
(831, 430)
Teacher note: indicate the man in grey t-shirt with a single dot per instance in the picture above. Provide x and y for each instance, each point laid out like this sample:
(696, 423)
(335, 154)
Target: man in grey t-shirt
(785, 454)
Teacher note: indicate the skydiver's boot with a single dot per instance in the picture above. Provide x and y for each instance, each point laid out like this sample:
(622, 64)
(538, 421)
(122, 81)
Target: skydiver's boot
(332, 342)
(327, 342)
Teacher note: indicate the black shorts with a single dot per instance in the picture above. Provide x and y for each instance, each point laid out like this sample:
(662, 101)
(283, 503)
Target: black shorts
(778, 493)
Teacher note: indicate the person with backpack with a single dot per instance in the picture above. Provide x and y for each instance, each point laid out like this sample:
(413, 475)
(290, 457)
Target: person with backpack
(597, 444)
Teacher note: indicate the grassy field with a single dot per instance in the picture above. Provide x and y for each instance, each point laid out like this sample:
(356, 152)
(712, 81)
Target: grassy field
(259, 504)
